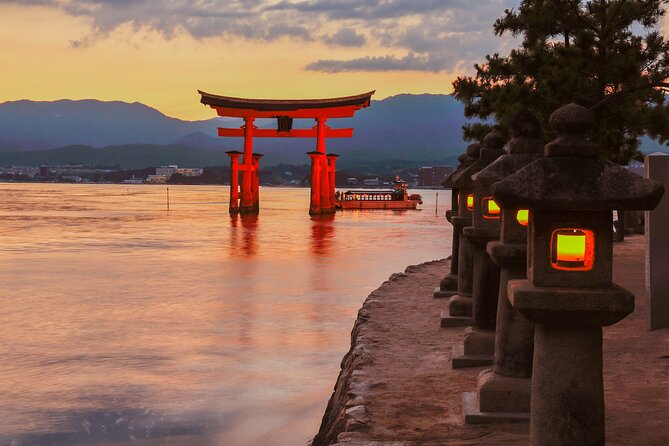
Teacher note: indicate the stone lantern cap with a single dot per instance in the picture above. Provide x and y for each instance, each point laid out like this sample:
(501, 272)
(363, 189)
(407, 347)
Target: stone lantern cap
(524, 147)
(491, 150)
(466, 159)
(571, 177)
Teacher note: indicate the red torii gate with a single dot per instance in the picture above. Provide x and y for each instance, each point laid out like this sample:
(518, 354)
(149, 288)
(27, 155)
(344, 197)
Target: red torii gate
(323, 165)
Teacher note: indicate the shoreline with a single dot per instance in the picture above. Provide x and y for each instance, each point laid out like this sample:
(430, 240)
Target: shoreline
(347, 410)
(397, 387)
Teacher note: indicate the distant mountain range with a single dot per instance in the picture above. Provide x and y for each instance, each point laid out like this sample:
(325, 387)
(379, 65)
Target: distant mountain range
(412, 128)
(407, 129)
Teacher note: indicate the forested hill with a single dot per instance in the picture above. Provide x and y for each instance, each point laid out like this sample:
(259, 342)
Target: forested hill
(403, 129)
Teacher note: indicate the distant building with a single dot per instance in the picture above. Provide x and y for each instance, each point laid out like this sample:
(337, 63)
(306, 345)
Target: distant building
(352, 181)
(134, 180)
(44, 171)
(433, 176)
(80, 169)
(371, 182)
(190, 171)
(167, 171)
(157, 179)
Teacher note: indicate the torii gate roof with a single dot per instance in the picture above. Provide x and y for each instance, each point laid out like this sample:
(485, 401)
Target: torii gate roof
(341, 107)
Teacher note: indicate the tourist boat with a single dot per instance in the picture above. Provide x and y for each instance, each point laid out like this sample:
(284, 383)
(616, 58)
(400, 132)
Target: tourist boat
(396, 198)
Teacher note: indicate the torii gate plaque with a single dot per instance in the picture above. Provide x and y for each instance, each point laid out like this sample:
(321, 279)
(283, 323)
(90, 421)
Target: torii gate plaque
(284, 110)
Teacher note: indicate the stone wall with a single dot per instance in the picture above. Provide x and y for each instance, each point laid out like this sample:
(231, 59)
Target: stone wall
(346, 411)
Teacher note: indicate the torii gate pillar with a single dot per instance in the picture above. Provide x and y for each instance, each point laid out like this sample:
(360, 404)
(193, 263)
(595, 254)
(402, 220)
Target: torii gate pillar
(234, 180)
(315, 200)
(255, 182)
(332, 171)
(247, 204)
(320, 174)
(250, 197)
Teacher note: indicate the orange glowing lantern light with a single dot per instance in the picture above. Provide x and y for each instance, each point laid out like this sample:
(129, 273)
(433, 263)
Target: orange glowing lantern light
(493, 207)
(523, 217)
(573, 249)
(470, 202)
(490, 208)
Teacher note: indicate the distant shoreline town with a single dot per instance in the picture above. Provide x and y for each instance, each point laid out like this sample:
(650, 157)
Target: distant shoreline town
(282, 175)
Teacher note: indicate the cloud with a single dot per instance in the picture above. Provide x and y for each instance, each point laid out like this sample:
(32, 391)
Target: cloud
(385, 63)
(371, 9)
(345, 37)
(428, 35)
(446, 53)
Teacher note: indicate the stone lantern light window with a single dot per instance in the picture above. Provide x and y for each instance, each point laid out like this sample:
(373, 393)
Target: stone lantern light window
(470, 202)
(490, 209)
(523, 217)
(573, 249)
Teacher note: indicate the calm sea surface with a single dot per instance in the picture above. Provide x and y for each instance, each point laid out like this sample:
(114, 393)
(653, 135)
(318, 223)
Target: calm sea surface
(121, 322)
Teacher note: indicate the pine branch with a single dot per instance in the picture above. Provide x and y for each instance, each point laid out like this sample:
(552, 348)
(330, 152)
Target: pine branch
(619, 95)
(579, 17)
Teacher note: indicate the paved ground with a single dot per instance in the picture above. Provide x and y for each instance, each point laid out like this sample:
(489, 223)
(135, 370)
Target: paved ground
(414, 395)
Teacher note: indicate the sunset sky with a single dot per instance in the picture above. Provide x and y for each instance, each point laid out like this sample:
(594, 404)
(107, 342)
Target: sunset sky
(160, 52)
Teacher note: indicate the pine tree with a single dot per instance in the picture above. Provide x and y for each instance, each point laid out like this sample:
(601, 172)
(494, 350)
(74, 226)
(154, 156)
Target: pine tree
(603, 54)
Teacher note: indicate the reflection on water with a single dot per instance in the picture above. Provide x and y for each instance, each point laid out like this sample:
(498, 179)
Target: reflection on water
(243, 234)
(322, 234)
(124, 322)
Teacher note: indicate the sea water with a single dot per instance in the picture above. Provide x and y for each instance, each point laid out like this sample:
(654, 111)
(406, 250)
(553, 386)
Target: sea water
(123, 322)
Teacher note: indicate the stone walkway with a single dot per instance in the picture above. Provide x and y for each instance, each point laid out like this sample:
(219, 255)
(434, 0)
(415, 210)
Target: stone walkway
(399, 388)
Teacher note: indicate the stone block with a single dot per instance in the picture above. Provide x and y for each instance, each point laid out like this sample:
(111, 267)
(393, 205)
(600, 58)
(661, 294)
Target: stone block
(479, 342)
(461, 361)
(460, 305)
(473, 415)
(455, 321)
(657, 246)
(499, 393)
(571, 307)
(441, 294)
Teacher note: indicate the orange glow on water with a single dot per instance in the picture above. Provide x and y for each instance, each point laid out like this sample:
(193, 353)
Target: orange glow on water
(116, 296)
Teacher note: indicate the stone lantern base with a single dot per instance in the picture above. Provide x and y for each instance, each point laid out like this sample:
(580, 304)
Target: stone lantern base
(447, 287)
(476, 350)
(479, 344)
(498, 399)
(459, 313)
(504, 391)
(455, 321)
(449, 284)
(567, 388)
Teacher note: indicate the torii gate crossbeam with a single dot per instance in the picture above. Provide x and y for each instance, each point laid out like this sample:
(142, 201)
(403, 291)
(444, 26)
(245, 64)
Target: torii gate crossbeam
(323, 166)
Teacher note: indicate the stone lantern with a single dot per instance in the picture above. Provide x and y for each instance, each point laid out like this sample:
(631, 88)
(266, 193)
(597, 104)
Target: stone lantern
(479, 344)
(569, 292)
(459, 311)
(449, 284)
(503, 392)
